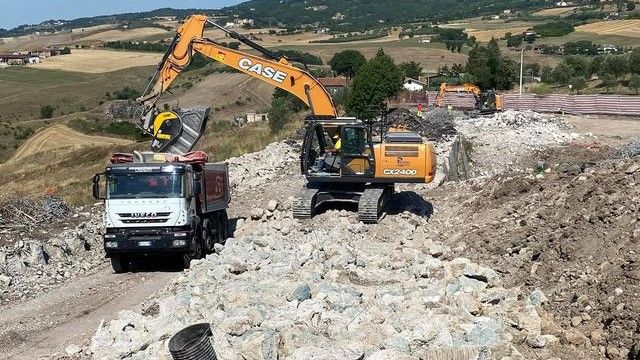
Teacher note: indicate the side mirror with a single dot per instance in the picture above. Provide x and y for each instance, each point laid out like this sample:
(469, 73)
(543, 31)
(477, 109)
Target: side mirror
(197, 184)
(96, 187)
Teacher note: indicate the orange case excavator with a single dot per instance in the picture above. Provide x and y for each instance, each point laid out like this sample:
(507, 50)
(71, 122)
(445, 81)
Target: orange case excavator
(363, 171)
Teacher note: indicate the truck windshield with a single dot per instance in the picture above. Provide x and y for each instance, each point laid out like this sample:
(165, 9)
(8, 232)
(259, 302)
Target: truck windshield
(126, 186)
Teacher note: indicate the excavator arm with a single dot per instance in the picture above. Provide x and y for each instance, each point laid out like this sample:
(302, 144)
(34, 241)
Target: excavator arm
(269, 67)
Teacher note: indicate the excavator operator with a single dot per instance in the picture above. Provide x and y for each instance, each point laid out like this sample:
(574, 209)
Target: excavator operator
(332, 155)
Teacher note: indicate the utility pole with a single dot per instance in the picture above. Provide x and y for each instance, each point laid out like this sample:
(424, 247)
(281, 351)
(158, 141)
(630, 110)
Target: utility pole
(521, 68)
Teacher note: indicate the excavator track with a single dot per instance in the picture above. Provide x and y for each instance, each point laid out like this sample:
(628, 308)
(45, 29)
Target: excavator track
(304, 203)
(372, 202)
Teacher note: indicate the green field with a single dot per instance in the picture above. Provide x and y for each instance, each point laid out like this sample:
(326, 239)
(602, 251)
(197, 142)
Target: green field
(23, 91)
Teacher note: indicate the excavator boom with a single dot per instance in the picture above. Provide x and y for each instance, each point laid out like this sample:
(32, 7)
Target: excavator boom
(275, 70)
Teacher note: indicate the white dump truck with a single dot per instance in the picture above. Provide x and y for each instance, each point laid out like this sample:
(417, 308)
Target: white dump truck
(159, 204)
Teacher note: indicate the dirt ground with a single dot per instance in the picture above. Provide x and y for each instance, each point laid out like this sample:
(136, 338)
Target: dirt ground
(60, 136)
(559, 11)
(569, 229)
(125, 35)
(45, 326)
(629, 28)
(99, 61)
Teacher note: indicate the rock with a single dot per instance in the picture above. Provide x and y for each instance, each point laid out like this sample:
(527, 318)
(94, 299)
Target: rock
(3, 258)
(261, 346)
(257, 213)
(597, 337)
(272, 205)
(390, 354)
(328, 353)
(576, 320)
(436, 250)
(72, 350)
(5, 281)
(302, 292)
(537, 298)
(480, 273)
(574, 337)
(541, 341)
(470, 304)
(632, 169)
(237, 266)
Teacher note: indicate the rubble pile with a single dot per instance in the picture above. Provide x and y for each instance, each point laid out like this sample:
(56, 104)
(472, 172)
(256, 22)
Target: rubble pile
(502, 140)
(253, 170)
(435, 125)
(280, 290)
(29, 267)
(630, 150)
(29, 213)
(572, 231)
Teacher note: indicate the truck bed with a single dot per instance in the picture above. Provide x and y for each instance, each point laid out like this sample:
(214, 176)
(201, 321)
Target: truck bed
(215, 193)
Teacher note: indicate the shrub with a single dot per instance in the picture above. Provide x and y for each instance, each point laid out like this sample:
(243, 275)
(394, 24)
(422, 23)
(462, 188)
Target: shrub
(46, 112)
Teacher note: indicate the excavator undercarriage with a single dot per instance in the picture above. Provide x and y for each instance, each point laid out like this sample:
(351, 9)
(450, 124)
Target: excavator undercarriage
(370, 198)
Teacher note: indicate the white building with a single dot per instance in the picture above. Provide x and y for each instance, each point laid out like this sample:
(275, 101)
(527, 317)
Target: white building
(413, 85)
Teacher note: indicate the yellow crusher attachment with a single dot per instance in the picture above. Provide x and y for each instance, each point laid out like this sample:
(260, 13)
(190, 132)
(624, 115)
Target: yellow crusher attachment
(179, 130)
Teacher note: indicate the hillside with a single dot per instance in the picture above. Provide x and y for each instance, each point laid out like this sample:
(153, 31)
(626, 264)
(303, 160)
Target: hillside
(348, 14)
(360, 12)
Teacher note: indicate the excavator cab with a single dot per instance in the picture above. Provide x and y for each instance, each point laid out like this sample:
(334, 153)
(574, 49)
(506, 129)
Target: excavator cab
(321, 160)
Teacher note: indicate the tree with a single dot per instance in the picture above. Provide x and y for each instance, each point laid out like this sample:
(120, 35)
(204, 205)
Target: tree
(514, 41)
(279, 114)
(347, 62)
(46, 112)
(561, 74)
(582, 47)
(489, 69)
(633, 62)
(578, 83)
(614, 65)
(377, 80)
(594, 67)
(579, 64)
(631, 5)
(410, 69)
(609, 81)
(634, 82)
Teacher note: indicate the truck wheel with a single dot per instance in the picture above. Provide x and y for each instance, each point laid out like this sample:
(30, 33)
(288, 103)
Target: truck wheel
(207, 236)
(224, 226)
(120, 264)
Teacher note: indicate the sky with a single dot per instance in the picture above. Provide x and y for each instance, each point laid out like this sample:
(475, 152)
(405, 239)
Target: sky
(14, 13)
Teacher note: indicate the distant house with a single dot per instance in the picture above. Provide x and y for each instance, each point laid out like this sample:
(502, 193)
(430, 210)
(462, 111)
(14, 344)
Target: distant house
(414, 85)
(14, 59)
(334, 84)
(255, 117)
(607, 49)
(562, 3)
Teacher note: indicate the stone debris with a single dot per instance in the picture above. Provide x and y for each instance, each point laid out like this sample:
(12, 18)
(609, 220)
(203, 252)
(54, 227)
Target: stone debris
(339, 290)
(630, 150)
(501, 140)
(435, 125)
(29, 266)
(30, 213)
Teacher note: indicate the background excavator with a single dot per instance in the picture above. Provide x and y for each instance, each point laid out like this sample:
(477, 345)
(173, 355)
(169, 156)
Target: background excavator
(486, 101)
(341, 158)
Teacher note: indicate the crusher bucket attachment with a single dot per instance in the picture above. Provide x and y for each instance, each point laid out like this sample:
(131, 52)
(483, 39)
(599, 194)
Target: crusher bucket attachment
(179, 130)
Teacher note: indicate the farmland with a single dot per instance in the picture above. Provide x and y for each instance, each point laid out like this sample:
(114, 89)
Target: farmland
(99, 61)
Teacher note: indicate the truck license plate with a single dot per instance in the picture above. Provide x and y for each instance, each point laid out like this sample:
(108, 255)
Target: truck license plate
(144, 243)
